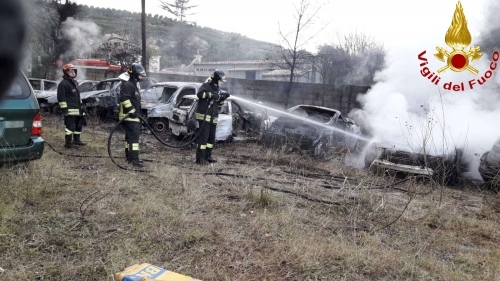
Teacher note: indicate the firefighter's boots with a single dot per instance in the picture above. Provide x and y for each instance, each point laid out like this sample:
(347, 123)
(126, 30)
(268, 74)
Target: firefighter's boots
(209, 157)
(77, 141)
(68, 141)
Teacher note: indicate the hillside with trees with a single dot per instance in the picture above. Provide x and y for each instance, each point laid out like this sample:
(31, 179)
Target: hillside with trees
(178, 41)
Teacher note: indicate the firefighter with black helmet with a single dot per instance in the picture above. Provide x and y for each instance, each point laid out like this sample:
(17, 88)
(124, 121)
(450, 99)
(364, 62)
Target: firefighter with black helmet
(210, 100)
(70, 103)
(130, 103)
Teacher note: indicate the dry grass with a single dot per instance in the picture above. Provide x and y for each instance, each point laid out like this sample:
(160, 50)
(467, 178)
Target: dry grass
(67, 218)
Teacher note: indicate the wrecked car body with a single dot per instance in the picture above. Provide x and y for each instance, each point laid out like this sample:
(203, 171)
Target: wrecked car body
(237, 120)
(102, 99)
(90, 98)
(314, 129)
(489, 166)
(158, 101)
(43, 84)
(43, 89)
(442, 169)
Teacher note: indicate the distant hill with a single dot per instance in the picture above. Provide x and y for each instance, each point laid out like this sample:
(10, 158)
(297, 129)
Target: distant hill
(178, 42)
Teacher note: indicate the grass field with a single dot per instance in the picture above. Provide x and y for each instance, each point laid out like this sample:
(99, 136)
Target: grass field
(257, 214)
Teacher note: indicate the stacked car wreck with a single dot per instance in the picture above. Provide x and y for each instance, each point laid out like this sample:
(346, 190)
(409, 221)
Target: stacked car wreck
(489, 166)
(318, 130)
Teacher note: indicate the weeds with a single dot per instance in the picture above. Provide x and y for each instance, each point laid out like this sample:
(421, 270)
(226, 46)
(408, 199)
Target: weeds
(215, 227)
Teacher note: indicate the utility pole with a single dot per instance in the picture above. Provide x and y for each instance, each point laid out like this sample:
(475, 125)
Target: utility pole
(143, 25)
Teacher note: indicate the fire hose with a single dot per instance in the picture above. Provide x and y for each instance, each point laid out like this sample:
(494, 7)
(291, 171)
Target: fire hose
(143, 121)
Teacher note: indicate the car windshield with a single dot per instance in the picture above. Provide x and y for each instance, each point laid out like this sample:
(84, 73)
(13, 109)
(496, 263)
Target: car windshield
(152, 95)
(19, 88)
(36, 84)
(49, 86)
(145, 83)
(104, 85)
(84, 86)
(185, 103)
(314, 114)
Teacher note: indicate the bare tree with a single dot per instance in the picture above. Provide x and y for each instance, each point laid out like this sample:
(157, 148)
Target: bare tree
(179, 9)
(292, 55)
(119, 51)
(353, 59)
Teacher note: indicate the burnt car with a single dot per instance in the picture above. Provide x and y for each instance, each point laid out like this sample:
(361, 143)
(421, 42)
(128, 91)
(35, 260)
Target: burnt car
(314, 129)
(158, 101)
(43, 89)
(237, 120)
(489, 166)
(443, 169)
(102, 99)
(84, 85)
(42, 84)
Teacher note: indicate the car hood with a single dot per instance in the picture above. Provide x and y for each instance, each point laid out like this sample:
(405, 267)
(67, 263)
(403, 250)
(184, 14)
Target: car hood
(44, 94)
(296, 120)
(150, 105)
(85, 95)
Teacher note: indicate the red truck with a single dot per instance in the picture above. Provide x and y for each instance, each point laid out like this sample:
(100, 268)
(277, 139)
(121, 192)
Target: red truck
(111, 70)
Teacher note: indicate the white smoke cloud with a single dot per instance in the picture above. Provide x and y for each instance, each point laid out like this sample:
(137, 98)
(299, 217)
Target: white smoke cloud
(402, 97)
(85, 36)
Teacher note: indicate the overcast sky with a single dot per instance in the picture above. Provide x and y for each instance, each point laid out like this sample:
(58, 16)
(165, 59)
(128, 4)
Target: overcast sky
(393, 22)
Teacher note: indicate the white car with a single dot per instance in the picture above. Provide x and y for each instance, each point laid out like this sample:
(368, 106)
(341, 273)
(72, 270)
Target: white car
(236, 119)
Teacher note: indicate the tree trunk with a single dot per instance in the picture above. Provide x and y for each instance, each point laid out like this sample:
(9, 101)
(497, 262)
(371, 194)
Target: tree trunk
(143, 23)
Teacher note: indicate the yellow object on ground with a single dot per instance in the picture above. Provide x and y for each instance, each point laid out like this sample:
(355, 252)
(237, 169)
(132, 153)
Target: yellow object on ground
(147, 272)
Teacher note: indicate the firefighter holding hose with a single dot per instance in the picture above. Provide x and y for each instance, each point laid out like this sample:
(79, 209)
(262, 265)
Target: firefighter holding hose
(210, 100)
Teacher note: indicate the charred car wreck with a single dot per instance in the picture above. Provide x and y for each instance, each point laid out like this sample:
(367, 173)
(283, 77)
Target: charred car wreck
(102, 99)
(314, 129)
(489, 166)
(442, 169)
(237, 120)
(158, 101)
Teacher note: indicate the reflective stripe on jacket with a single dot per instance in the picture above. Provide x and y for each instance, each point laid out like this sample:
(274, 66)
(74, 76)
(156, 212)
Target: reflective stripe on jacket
(130, 101)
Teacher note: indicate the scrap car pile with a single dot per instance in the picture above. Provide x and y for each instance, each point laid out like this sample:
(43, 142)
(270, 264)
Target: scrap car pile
(321, 132)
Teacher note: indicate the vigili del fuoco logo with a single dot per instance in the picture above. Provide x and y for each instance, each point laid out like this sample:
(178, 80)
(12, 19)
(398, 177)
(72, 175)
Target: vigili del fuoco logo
(458, 38)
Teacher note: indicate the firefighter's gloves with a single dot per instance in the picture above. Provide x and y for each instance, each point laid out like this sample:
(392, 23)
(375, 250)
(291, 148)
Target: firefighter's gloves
(132, 115)
(84, 121)
(223, 96)
(215, 96)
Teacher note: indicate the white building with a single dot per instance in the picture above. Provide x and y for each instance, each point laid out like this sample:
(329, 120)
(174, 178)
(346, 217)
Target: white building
(255, 70)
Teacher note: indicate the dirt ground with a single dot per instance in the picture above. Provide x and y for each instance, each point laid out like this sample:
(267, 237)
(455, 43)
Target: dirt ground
(257, 214)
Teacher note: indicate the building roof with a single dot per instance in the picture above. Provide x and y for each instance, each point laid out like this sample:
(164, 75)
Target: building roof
(246, 69)
(282, 72)
(235, 62)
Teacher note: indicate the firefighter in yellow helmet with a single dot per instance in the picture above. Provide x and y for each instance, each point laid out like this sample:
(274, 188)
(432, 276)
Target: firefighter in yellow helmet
(70, 103)
(130, 103)
(210, 100)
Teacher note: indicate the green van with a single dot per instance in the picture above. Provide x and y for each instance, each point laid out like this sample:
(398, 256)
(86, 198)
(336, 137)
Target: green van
(20, 124)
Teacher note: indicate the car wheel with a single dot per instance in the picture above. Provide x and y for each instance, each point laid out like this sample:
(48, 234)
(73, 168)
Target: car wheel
(160, 127)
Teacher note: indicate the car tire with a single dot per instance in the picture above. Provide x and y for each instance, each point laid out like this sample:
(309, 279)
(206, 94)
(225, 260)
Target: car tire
(161, 127)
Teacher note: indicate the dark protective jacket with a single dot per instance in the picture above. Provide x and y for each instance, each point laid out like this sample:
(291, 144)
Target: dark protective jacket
(68, 97)
(130, 100)
(208, 94)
